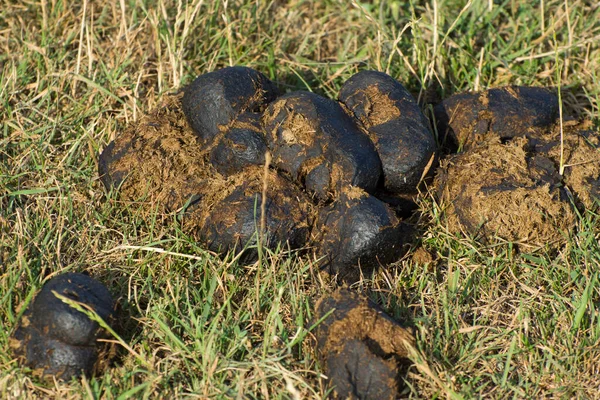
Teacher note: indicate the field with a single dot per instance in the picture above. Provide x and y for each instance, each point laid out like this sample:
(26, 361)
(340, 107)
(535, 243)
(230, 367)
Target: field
(490, 321)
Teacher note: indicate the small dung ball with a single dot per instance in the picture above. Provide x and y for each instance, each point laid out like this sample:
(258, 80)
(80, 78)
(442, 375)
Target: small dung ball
(319, 145)
(395, 124)
(361, 347)
(55, 339)
(215, 99)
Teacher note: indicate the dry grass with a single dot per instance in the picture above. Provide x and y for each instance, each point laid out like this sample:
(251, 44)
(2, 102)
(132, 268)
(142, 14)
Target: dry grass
(491, 322)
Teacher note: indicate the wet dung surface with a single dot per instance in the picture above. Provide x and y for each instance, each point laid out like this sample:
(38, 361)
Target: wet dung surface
(362, 348)
(359, 232)
(395, 124)
(56, 340)
(241, 146)
(319, 145)
(216, 99)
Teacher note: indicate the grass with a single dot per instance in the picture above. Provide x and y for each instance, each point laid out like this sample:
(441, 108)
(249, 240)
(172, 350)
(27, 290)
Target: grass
(490, 322)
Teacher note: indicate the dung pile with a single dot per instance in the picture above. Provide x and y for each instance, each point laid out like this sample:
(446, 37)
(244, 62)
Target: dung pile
(240, 162)
(509, 179)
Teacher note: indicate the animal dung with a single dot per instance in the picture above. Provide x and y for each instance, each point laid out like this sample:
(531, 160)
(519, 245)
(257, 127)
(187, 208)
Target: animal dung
(203, 154)
(241, 146)
(319, 145)
(230, 217)
(216, 99)
(394, 122)
(243, 166)
(359, 232)
(361, 347)
(55, 339)
(500, 191)
(503, 113)
(514, 178)
(339, 178)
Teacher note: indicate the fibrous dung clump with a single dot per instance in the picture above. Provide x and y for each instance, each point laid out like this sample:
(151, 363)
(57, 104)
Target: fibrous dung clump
(508, 180)
(243, 167)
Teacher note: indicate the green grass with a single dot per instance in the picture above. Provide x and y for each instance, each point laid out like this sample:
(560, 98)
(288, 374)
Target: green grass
(490, 322)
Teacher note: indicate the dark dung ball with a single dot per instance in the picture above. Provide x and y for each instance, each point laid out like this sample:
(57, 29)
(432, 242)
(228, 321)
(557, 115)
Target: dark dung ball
(395, 124)
(470, 118)
(359, 232)
(362, 348)
(319, 145)
(241, 145)
(231, 218)
(54, 338)
(215, 99)
(60, 320)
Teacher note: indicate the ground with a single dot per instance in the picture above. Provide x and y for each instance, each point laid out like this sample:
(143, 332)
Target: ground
(489, 321)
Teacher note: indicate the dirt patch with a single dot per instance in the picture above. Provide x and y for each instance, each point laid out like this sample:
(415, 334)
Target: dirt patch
(395, 124)
(56, 340)
(361, 347)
